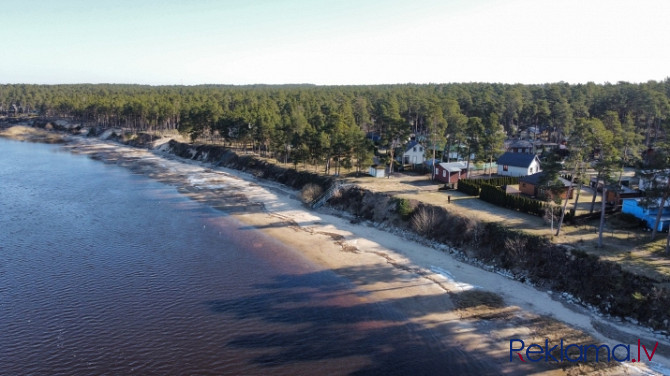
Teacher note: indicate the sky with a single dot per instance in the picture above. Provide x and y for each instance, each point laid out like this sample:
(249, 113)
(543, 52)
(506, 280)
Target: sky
(345, 42)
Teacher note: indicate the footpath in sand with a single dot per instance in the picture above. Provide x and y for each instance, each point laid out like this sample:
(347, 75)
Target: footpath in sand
(458, 302)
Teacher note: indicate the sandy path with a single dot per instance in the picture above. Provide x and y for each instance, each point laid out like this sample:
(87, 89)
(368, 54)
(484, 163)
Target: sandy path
(383, 266)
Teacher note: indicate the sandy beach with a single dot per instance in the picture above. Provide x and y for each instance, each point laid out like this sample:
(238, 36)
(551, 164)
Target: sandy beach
(432, 288)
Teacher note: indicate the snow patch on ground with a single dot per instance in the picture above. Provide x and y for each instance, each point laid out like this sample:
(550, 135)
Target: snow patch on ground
(462, 286)
(109, 133)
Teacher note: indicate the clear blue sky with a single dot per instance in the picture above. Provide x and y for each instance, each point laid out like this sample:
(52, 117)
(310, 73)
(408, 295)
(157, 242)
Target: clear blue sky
(333, 42)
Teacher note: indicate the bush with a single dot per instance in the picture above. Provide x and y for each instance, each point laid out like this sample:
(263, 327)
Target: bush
(310, 192)
(425, 220)
(403, 208)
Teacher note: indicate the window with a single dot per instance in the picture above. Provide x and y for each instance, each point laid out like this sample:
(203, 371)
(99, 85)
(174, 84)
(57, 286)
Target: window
(531, 170)
(414, 149)
(444, 173)
(420, 149)
(505, 167)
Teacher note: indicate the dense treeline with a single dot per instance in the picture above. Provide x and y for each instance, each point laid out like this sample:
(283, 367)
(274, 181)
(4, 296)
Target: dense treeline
(320, 124)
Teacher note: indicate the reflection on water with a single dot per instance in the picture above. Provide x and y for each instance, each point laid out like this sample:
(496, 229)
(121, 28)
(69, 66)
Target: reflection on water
(106, 272)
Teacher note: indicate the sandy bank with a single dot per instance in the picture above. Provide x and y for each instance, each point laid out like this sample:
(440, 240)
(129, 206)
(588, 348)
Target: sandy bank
(429, 287)
(30, 134)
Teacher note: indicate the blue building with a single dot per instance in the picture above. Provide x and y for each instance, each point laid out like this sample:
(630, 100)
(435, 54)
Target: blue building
(648, 214)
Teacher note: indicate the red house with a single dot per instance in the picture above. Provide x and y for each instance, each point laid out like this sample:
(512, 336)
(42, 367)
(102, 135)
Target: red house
(451, 172)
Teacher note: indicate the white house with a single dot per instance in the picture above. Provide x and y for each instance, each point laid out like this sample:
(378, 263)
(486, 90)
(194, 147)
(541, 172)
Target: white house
(414, 153)
(518, 164)
(459, 152)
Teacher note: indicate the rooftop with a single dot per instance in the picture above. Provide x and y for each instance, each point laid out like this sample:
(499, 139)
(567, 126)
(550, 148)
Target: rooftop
(516, 159)
(535, 179)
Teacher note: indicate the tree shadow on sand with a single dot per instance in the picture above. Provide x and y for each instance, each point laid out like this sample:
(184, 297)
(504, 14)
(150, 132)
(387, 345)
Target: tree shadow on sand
(327, 316)
(323, 316)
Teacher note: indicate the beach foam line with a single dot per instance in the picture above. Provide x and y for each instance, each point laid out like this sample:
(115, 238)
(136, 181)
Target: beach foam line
(450, 278)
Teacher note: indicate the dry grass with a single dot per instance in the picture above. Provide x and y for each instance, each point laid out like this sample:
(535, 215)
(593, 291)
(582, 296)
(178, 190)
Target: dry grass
(30, 134)
(310, 192)
(424, 220)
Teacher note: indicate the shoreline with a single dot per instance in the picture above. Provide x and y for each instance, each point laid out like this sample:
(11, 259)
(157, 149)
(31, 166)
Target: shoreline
(329, 239)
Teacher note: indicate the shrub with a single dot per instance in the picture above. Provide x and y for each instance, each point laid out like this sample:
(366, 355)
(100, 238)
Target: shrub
(403, 208)
(310, 192)
(516, 246)
(425, 219)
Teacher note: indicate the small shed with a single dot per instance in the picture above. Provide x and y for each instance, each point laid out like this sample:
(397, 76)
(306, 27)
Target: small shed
(450, 173)
(530, 185)
(377, 171)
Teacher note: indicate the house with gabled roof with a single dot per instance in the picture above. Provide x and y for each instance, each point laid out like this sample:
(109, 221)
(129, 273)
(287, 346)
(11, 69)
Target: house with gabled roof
(521, 146)
(414, 153)
(518, 164)
(451, 173)
(531, 185)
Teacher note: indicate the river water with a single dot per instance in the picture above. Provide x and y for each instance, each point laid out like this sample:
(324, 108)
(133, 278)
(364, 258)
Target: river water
(103, 271)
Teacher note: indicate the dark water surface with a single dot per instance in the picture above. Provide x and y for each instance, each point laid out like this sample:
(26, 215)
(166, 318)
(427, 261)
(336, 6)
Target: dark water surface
(106, 272)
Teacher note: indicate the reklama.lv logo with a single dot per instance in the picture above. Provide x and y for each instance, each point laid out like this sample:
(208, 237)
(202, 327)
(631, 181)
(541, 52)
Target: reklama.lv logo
(576, 353)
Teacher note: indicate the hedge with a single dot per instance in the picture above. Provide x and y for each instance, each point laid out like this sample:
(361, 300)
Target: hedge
(498, 181)
(468, 187)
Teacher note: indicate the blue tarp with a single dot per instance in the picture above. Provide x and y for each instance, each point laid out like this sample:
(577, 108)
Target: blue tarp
(648, 215)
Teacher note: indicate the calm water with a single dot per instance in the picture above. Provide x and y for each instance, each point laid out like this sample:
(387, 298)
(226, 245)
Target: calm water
(106, 272)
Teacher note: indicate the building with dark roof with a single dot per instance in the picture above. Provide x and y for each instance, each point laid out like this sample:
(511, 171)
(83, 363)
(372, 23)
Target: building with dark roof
(518, 164)
(521, 146)
(414, 154)
(533, 186)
